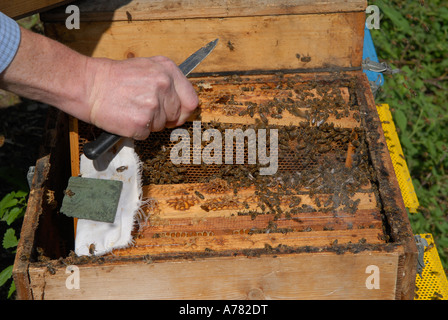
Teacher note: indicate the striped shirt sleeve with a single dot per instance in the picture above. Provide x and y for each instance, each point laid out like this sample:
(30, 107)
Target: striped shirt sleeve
(9, 40)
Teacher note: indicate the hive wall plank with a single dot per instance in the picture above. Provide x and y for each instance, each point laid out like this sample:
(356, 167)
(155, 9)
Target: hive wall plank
(299, 276)
(395, 211)
(125, 10)
(245, 43)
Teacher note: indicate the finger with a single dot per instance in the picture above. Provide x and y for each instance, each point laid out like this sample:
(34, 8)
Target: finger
(188, 99)
(159, 117)
(171, 104)
(144, 132)
(171, 124)
(185, 91)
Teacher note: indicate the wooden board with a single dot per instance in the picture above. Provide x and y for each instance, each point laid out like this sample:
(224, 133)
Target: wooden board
(254, 43)
(297, 276)
(126, 10)
(18, 9)
(395, 211)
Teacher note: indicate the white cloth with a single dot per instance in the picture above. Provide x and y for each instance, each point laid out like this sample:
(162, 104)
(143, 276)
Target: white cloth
(107, 236)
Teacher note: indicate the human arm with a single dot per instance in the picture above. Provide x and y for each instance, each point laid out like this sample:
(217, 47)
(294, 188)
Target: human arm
(121, 97)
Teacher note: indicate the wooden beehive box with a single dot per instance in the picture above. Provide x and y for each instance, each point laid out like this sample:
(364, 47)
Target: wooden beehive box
(330, 223)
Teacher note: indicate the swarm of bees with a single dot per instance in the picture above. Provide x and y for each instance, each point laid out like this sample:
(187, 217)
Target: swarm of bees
(311, 154)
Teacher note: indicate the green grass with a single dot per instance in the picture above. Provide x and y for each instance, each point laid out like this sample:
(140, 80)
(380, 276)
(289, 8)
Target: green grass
(413, 37)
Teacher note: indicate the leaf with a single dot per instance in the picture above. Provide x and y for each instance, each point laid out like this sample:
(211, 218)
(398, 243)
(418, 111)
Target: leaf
(7, 202)
(400, 119)
(9, 239)
(21, 194)
(395, 16)
(5, 275)
(14, 214)
(12, 288)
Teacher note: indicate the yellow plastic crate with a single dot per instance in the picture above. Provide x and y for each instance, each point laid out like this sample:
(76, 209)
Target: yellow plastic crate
(432, 284)
(398, 160)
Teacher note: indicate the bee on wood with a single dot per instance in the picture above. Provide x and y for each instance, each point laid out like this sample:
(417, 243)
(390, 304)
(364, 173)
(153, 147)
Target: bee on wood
(200, 195)
(305, 59)
(41, 257)
(51, 269)
(230, 45)
(148, 259)
(129, 16)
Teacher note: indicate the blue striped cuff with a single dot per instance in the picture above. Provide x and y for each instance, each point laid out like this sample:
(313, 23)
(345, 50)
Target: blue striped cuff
(9, 40)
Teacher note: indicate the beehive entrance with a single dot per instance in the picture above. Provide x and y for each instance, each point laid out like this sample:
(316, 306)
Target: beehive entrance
(315, 197)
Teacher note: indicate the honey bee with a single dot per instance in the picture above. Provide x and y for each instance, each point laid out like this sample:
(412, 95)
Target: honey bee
(41, 257)
(69, 193)
(243, 112)
(437, 296)
(263, 118)
(305, 59)
(129, 17)
(200, 195)
(51, 269)
(324, 148)
(122, 168)
(92, 249)
(148, 259)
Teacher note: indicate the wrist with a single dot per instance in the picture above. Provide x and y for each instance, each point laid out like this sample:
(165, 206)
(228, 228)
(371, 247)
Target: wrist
(97, 70)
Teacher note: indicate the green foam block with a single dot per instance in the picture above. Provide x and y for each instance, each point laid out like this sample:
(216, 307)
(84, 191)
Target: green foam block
(92, 199)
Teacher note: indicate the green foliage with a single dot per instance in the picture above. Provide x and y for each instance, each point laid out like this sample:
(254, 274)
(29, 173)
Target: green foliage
(12, 207)
(413, 37)
(10, 239)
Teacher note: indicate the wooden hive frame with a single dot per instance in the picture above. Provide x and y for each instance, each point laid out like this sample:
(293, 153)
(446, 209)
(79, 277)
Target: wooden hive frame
(330, 261)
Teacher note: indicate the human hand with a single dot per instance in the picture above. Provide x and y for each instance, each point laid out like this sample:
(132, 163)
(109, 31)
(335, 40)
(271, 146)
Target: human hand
(137, 96)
